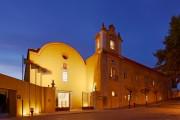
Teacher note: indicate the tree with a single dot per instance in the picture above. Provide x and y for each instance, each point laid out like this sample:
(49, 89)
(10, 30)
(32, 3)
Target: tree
(168, 58)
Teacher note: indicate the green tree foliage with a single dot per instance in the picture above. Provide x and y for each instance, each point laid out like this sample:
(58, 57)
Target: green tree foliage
(169, 57)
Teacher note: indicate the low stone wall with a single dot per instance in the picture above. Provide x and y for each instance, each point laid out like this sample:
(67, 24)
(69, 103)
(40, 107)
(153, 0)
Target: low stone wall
(23, 96)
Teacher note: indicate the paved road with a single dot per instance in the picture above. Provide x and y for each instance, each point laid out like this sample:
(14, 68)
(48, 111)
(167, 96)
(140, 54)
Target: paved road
(167, 111)
(126, 114)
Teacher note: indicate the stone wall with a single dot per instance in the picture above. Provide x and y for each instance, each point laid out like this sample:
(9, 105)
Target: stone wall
(130, 81)
(23, 96)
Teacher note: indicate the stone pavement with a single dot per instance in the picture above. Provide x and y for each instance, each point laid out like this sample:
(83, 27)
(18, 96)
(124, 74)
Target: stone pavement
(164, 111)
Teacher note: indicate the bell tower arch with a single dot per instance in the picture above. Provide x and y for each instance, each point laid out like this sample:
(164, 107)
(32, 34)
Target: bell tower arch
(108, 40)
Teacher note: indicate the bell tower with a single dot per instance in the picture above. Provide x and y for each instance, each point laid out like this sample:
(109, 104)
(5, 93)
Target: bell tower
(108, 40)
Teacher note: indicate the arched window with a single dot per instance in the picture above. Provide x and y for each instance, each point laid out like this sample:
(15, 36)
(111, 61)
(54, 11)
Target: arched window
(98, 44)
(113, 73)
(112, 44)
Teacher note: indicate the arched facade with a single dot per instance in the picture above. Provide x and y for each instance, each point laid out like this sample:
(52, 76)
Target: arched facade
(62, 65)
(106, 79)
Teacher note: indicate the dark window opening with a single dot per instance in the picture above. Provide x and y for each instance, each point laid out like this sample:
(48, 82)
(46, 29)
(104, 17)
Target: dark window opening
(3, 103)
(174, 84)
(125, 75)
(65, 57)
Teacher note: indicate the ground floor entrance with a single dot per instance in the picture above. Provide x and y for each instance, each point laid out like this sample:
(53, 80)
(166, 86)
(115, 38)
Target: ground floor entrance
(66, 100)
(3, 101)
(7, 102)
(63, 100)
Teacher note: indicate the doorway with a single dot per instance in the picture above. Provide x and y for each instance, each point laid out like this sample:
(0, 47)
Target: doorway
(3, 102)
(7, 102)
(63, 100)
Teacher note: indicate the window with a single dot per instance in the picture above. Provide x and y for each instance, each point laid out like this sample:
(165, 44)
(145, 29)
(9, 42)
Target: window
(85, 99)
(64, 73)
(98, 44)
(153, 83)
(113, 94)
(65, 56)
(112, 72)
(146, 79)
(125, 75)
(63, 99)
(65, 66)
(129, 97)
(146, 98)
(112, 45)
(136, 77)
(64, 76)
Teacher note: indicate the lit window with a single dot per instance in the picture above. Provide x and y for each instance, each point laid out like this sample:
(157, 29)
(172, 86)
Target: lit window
(146, 98)
(112, 72)
(98, 44)
(113, 93)
(125, 97)
(153, 83)
(64, 76)
(63, 99)
(112, 45)
(129, 97)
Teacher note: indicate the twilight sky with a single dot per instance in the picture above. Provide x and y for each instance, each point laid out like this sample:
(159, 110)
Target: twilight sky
(31, 23)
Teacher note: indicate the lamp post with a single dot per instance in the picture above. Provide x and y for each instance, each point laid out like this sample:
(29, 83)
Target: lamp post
(32, 111)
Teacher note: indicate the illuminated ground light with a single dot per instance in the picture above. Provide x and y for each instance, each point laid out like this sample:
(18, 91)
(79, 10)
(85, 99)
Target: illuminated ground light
(37, 111)
(85, 104)
(25, 113)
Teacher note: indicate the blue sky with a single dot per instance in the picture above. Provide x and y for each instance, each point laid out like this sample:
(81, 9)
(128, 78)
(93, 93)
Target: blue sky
(24, 24)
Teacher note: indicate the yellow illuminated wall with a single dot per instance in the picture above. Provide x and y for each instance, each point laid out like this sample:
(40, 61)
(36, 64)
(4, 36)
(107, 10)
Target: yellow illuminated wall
(42, 99)
(52, 56)
(94, 72)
